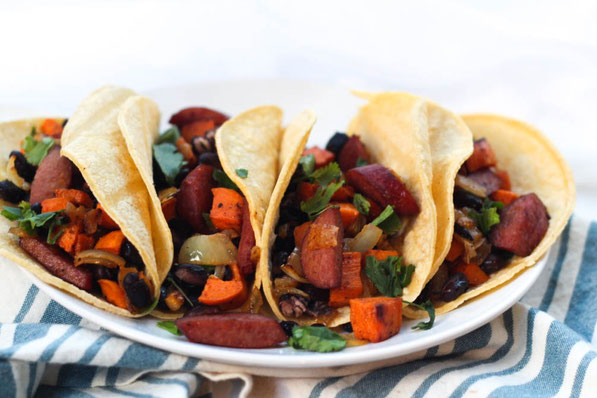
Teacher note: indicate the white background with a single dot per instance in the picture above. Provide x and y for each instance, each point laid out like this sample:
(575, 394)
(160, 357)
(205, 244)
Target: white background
(536, 61)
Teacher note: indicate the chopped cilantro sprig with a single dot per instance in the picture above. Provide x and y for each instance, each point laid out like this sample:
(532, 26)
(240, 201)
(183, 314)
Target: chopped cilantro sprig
(488, 216)
(316, 338)
(31, 222)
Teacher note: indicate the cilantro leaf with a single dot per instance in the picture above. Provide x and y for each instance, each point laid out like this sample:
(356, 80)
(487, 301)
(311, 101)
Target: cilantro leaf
(223, 179)
(29, 221)
(314, 338)
(326, 174)
(361, 162)
(36, 151)
(319, 202)
(171, 135)
(389, 276)
(488, 216)
(169, 160)
(361, 204)
(169, 326)
(426, 306)
(388, 221)
(308, 164)
(242, 173)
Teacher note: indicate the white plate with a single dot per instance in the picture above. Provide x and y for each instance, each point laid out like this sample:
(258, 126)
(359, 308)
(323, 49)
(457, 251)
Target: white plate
(334, 107)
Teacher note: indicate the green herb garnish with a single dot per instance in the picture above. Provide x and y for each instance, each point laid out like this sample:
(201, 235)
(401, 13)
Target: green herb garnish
(361, 162)
(389, 276)
(361, 204)
(30, 222)
(242, 173)
(314, 338)
(488, 216)
(171, 136)
(426, 306)
(223, 180)
(388, 221)
(36, 151)
(169, 160)
(170, 326)
(308, 164)
(326, 174)
(319, 202)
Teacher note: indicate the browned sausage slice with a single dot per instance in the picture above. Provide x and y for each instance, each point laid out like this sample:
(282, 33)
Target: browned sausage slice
(523, 224)
(482, 157)
(247, 242)
(351, 152)
(195, 114)
(54, 172)
(195, 197)
(321, 250)
(232, 329)
(487, 179)
(381, 185)
(57, 263)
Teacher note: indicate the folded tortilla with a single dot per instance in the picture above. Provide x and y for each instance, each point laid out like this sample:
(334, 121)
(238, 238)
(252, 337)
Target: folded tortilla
(93, 141)
(250, 140)
(534, 165)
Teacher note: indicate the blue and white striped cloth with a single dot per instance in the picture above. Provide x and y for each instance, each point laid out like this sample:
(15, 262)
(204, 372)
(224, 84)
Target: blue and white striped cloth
(546, 345)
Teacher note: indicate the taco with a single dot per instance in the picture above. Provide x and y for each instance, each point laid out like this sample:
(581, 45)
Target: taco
(511, 199)
(351, 228)
(213, 177)
(82, 220)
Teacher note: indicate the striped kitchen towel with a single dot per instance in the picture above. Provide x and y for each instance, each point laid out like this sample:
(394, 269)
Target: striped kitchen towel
(546, 345)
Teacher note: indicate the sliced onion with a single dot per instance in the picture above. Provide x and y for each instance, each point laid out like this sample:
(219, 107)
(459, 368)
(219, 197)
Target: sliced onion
(215, 249)
(220, 272)
(291, 272)
(16, 231)
(99, 257)
(366, 239)
(294, 260)
(471, 186)
(167, 194)
(285, 282)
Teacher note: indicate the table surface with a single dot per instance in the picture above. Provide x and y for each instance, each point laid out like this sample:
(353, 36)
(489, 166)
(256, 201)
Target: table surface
(535, 63)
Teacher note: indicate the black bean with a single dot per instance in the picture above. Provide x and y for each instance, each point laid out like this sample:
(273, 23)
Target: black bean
(316, 293)
(460, 230)
(11, 193)
(136, 290)
(36, 207)
(228, 272)
(495, 261)
(347, 327)
(287, 326)
(162, 302)
(131, 255)
(191, 274)
(101, 272)
(463, 198)
(181, 175)
(279, 258)
(211, 159)
(159, 180)
(201, 145)
(64, 122)
(24, 169)
(454, 287)
(336, 143)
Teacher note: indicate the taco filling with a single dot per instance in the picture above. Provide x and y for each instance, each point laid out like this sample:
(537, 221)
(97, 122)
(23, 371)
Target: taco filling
(64, 228)
(338, 239)
(492, 225)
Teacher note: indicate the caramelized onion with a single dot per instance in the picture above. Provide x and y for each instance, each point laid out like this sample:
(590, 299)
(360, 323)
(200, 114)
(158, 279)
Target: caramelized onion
(366, 239)
(291, 272)
(99, 257)
(16, 231)
(215, 249)
(471, 186)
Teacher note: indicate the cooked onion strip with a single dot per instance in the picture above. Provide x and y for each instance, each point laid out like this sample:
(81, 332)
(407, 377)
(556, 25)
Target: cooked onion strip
(99, 257)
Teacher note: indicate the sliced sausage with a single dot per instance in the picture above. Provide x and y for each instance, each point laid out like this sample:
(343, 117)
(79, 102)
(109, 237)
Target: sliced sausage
(482, 157)
(351, 152)
(54, 172)
(247, 242)
(195, 114)
(321, 250)
(195, 197)
(523, 224)
(382, 186)
(57, 263)
(322, 157)
(232, 329)
(487, 179)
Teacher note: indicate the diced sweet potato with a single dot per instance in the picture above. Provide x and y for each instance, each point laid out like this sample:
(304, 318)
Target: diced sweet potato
(53, 204)
(376, 318)
(300, 232)
(348, 212)
(113, 293)
(52, 128)
(111, 242)
(506, 197)
(227, 209)
(482, 157)
(75, 196)
(474, 274)
(105, 220)
(307, 190)
(322, 157)
(352, 285)
(456, 250)
(505, 177)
